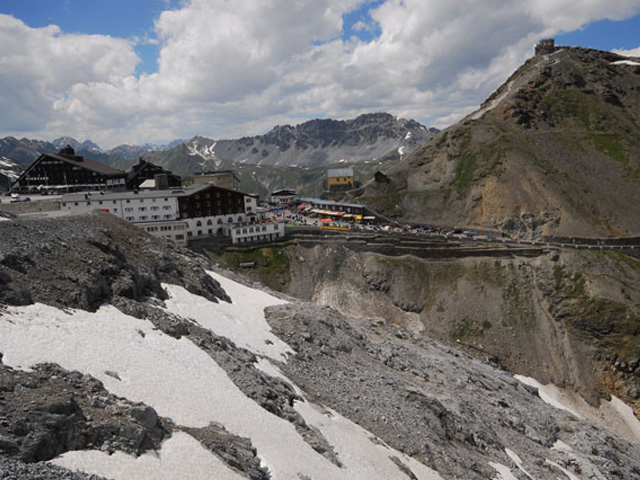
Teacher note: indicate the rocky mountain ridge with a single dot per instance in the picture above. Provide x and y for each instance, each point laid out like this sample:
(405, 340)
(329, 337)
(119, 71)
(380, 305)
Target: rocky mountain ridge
(24, 151)
(316, 143)
(9, 171)
(554, 151)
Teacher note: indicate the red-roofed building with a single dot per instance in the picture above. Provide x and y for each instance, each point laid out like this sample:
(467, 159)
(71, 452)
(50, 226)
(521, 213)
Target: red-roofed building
(67, 172)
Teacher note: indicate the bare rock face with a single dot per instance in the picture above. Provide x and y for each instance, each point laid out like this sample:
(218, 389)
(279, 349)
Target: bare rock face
(49, 411)
(440, 406)
(82, 262)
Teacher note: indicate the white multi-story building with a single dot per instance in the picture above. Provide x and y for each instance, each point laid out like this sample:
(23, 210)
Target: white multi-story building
(178, 214)
(255, 232)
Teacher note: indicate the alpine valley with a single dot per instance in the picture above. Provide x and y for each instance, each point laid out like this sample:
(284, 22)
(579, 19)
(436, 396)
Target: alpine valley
(350, 355)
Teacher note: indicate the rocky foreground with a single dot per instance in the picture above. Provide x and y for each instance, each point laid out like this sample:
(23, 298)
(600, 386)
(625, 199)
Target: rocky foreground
(426, 402)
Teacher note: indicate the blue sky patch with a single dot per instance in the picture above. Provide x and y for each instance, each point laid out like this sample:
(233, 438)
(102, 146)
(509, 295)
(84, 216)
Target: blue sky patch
(605, 35)
(359, 23)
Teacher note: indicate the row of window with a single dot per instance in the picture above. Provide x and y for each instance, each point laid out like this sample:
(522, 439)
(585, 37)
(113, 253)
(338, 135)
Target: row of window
(164, 228)
(210, 221)
(259, 228)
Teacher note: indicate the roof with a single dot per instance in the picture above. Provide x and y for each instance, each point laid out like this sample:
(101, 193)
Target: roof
(86, 164)
(320, 201)
(284, 191)
(216, 173)
(124, 195)
(340, 172)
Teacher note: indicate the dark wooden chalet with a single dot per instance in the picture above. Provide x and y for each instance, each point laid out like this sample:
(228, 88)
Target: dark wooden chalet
(144, 170)
(209, 201)
(67, 172)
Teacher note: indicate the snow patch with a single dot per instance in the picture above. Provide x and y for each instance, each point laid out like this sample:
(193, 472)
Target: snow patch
(561, 447)
(625, 62)
(352, 443)
(241, 321)
(569, 475)
(167, 464)
(184, 383)
(504, 472)
(401, 150)
(549, 394)
(518, 461)
(625, 413)
(613, 415)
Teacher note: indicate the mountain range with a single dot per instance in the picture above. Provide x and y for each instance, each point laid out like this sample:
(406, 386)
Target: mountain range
(554, 151)
(315, 143)
(293, 156)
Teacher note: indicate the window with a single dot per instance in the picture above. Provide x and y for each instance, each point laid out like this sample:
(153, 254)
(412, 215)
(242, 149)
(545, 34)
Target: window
(155, 217)
(130, 219)
(198, 223)
(209, 222)
(143, 218)
(240, 218)
(168, 217)
(230, 220)
(219, 221)
(128, 209)
(155, 208)
(166, 207)
(142, 209)
(180, 237)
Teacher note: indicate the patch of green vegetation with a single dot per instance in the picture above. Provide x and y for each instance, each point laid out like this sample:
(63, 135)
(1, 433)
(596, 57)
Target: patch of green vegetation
(271, 263)
(558, 275)
(467, 328)
(601, 121)
(464, 171)
(610, 145)
(466, 166)
(571, 284)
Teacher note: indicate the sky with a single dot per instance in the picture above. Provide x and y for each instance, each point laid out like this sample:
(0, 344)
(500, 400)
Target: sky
(152, 71)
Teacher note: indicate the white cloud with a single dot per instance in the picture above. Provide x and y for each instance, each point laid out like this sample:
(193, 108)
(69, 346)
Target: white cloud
(233, 68)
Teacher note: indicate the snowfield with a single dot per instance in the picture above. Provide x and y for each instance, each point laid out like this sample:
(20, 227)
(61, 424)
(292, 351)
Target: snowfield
(614, 413)
(183, 383)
